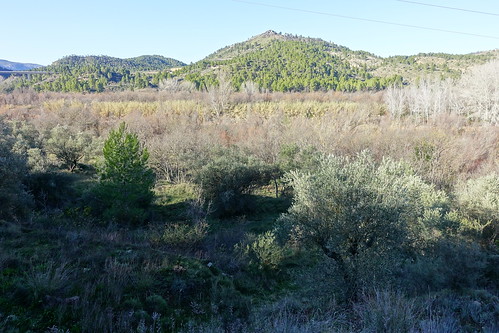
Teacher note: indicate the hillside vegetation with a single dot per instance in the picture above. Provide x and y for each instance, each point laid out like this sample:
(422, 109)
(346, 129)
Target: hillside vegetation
(97, 73)
(271, 62)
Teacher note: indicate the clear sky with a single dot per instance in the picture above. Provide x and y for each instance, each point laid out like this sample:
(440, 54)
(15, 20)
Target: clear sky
(42, 31)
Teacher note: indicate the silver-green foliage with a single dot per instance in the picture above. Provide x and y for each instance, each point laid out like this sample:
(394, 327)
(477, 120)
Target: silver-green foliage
(68, 146)
(228, 179)
(364, 215)
(478, 201)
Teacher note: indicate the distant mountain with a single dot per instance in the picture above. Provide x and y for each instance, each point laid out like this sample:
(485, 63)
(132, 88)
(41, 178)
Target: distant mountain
(16, 66)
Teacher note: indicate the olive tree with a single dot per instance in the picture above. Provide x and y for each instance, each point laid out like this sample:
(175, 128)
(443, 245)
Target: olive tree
(228, 180)
(68, 146)
(220, 95)
(363, 215)
(478, 202)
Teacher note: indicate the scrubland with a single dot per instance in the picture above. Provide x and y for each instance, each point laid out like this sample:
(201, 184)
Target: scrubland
(270, 212)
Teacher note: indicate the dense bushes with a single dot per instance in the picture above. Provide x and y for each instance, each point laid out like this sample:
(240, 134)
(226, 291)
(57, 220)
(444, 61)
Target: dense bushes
(383, 226)
(15, 201)
(52, 189)
(228, 180)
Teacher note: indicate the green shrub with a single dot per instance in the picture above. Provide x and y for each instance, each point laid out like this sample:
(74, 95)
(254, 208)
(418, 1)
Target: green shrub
(447, 263)
(228, 180)
(293, 157)
(156, 303)
(183, 235)
(125, 192)
(265, 251)
(15, 201)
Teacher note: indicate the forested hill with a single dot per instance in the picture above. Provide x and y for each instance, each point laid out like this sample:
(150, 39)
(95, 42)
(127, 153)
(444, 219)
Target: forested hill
(283, 62)
(90, 63)
(272, 61)
(267, 38)
(98, 73)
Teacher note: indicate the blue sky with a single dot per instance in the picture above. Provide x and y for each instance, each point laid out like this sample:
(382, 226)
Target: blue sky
(188, 30)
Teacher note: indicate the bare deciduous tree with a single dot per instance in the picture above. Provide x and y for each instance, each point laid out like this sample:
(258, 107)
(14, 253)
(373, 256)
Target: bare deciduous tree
(480, 90)
(250, 89)
(475, 95)
(395, 101)
(171, 85)
(220, 95)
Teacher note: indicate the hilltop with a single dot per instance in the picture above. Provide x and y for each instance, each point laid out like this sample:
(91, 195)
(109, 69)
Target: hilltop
(262, 41)
(284, 62)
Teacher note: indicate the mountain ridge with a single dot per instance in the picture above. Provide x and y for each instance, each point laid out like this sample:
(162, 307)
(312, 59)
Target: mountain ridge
(17, 66)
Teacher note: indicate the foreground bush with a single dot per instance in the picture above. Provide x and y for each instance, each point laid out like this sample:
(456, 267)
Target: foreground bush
(364, 216)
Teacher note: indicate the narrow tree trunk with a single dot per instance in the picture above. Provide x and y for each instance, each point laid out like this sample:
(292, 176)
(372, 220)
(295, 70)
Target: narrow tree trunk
(350, 277)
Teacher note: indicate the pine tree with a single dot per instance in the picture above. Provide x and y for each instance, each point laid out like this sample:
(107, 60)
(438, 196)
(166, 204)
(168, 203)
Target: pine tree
(126, 180)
